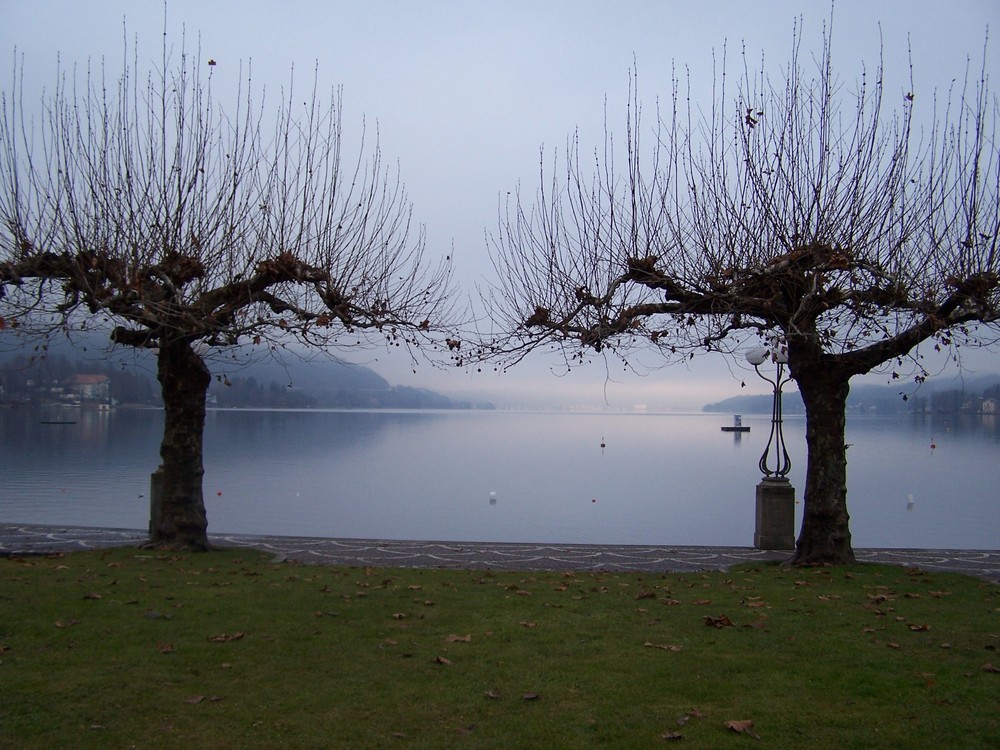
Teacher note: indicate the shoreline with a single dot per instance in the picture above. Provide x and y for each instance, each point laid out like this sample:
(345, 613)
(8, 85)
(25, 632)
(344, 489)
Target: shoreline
(18, 540)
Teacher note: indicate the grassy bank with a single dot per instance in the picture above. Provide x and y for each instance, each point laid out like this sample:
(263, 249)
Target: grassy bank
(124, 648)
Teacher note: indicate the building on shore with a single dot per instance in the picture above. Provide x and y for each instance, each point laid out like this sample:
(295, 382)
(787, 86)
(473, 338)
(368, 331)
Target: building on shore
(90, 388)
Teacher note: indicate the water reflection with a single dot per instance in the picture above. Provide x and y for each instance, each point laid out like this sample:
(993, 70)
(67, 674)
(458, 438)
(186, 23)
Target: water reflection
(587, 478)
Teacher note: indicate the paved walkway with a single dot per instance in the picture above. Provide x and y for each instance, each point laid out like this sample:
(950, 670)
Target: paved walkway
(22, 539)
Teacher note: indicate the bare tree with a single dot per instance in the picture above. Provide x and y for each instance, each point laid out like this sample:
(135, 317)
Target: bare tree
(139, 206)
(817, 221)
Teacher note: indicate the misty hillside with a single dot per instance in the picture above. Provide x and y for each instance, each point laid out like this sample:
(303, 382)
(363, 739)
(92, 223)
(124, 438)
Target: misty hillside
(242, 377)
(946, 394)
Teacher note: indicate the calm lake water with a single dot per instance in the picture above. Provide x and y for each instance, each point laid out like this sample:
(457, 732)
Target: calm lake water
(499, 476)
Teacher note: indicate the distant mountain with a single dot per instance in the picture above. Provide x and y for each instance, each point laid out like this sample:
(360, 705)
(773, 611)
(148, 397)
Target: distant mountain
(242, 377)
(791, 403)
(949, 394)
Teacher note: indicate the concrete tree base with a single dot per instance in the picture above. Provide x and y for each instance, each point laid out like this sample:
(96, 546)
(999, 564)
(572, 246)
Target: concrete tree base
(775, 527)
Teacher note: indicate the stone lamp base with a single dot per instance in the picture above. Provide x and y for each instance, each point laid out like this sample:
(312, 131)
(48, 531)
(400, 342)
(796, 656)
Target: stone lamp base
(775, 528)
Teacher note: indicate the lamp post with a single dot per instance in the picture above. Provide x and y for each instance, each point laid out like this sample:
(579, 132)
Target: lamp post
(776, 440)
(775, 507)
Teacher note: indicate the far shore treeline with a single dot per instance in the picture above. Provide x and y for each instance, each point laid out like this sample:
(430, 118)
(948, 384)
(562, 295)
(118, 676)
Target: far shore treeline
(978, 394)
(38, 379)
(51, 378)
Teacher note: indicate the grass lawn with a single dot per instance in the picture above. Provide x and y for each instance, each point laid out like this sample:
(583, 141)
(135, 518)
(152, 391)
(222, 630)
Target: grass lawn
(123, 648)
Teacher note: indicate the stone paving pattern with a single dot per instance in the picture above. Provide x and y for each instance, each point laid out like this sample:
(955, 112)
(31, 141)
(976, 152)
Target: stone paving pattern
(23, 539)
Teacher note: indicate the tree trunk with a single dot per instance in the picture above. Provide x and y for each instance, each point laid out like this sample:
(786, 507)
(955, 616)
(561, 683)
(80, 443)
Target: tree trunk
(825, 536)
(179, 520)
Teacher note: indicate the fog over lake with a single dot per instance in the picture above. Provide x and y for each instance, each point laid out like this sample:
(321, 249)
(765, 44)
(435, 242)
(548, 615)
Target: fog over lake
(429, 475)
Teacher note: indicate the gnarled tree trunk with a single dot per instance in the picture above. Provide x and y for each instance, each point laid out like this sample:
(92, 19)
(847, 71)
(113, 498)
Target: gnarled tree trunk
(825, 536)
(179, 520)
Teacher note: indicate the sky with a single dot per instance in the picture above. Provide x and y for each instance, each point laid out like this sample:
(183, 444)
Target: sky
(466, 94)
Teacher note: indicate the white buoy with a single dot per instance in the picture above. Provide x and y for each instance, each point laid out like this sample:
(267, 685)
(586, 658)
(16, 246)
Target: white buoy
(909, 501)
(493, 498)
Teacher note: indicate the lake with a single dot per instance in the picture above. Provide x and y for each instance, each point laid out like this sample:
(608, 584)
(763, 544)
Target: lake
(662, 479)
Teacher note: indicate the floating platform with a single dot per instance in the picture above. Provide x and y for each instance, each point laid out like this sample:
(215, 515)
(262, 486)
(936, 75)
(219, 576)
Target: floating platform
(737, 425)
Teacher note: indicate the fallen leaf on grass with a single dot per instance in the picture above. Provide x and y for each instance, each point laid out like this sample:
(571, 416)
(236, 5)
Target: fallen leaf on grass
(226, 637)
(165, 648)
(701, 602)
(458, 638)
(880, 598)
(760, 622)
(530, 696)
(670, 736)
(493, 695)
(92, 595)
(67, 624)
(742, 726)
(989, 667)
(664, 646)
(529, 624)
(718, 622)
(694, 713)
(442, 660)
(196, 699)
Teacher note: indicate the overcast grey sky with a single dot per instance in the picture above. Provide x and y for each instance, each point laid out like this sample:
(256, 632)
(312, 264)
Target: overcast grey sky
(465, 93)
